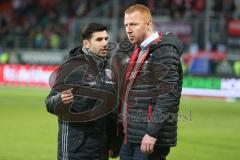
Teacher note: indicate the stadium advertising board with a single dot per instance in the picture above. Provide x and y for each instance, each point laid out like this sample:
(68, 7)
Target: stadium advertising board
(42, 57)
(26, 75)
(38, 75)
(211, 86)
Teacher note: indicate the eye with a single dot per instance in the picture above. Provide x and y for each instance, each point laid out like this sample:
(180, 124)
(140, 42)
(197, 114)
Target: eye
(99, 39)
(134, 24)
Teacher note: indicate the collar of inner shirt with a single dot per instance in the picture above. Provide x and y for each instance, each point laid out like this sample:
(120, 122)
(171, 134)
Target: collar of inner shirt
(149, 40)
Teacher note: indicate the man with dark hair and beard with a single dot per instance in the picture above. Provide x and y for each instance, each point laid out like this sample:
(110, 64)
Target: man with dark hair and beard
(83, 98)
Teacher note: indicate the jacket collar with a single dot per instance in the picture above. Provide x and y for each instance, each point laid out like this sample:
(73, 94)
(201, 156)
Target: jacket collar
(149, 40)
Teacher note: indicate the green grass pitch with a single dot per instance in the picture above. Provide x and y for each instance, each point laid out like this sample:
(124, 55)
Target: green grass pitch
(208, 128)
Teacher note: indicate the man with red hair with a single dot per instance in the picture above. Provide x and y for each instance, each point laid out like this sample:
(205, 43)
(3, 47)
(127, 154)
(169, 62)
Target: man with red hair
(151, 89)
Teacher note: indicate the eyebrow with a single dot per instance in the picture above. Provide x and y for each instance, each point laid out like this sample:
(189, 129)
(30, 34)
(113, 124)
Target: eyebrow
(131, 23)
(100, 38)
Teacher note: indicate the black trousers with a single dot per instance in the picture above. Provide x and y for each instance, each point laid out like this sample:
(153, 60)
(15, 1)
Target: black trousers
(81, 143)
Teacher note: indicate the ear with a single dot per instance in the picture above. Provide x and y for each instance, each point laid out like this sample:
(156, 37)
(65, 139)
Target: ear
(149, 25)
(86, 43)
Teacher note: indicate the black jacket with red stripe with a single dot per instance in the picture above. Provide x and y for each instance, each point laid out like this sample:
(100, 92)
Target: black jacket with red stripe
(154, 97)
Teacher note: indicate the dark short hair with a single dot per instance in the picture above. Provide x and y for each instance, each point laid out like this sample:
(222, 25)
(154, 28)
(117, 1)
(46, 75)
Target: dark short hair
(92, 28)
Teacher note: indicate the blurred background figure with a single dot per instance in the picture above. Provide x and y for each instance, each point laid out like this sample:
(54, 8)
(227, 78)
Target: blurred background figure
(3, 57)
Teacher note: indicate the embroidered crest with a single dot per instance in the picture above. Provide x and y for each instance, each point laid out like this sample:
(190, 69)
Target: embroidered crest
(108, 73)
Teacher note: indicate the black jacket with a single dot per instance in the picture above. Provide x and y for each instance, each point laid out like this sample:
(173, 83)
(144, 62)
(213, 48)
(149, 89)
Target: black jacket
(89, 136)
(154, 97)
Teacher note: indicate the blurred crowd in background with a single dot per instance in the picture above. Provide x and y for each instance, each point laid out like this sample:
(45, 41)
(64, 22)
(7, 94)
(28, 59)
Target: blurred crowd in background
(47, 24)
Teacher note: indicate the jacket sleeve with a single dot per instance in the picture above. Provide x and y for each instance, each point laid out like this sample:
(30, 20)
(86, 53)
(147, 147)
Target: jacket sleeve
(165, 105)
(54, 97)
(52, 100)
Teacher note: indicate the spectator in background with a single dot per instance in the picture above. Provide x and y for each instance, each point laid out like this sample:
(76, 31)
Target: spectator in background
(55, 41)
(38, 39)
(28, 16)
(4, 57)
(224, 68)
(236, 68)
(227, 7)
(198, 6)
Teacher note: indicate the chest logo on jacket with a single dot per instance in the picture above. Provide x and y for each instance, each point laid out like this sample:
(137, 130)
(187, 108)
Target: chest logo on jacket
(87, 84)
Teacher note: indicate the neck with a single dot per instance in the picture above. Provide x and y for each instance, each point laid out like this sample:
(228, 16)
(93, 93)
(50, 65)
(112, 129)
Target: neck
(148, 34)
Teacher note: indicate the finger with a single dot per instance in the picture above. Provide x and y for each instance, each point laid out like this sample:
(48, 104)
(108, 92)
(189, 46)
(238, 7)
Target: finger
(67, 101)
(151, 148)
(147, 150)
(63, 95)
(68, 98)
(67, 95)
(143, 148)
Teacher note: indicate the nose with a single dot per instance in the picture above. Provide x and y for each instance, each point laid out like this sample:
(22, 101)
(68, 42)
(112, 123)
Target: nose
(128, 29)
(105, 43)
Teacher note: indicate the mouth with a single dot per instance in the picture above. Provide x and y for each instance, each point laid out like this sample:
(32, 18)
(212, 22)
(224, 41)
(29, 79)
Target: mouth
(104, 51)
(130, 37)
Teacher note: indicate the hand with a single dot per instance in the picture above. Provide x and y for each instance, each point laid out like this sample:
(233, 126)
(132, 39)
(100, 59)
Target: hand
(67, 96)
(148, 143)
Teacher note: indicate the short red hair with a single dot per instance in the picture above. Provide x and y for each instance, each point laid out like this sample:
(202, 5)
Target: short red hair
(145, 12)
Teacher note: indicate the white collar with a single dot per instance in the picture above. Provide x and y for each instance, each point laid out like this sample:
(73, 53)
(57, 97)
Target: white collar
(149, 40)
